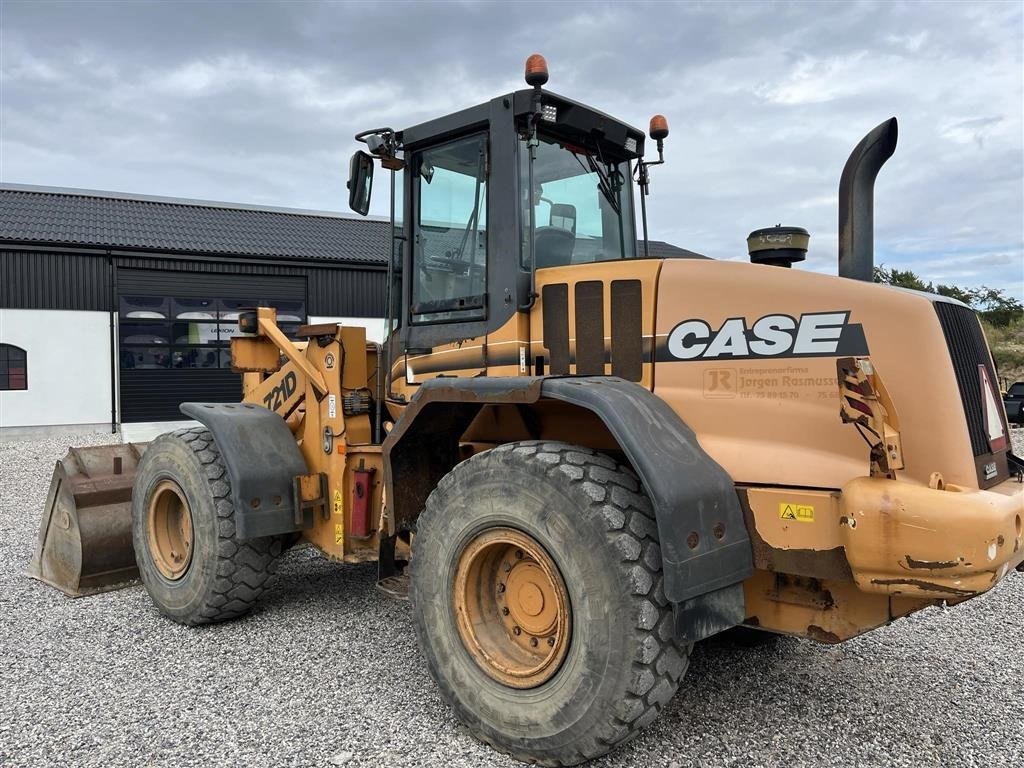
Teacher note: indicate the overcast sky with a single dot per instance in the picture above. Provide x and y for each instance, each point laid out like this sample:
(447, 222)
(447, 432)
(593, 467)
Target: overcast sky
(258, 102)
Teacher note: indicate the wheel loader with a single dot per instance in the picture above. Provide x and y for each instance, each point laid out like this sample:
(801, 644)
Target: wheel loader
(576, 459)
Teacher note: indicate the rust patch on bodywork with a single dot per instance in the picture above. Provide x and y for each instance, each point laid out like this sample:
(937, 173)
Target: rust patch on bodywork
(822, 635)
(926, 586)
(802, 591)
(830, 564)
(916, 540)
(824, 611)
(931, 565)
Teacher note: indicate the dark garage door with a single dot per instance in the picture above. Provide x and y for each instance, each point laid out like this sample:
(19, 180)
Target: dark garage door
(173, 330)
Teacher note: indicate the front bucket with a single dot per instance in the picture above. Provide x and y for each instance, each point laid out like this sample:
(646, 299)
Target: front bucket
(85, 539)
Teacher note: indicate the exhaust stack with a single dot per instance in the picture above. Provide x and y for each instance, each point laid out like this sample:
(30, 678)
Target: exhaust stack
(857, 201)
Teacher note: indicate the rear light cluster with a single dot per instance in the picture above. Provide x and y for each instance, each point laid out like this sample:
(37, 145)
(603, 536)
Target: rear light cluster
(994, 427)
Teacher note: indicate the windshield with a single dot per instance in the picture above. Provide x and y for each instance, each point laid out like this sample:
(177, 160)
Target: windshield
(582, 206)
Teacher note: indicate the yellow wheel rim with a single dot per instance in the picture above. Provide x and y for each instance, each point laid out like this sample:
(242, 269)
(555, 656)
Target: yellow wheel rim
(169, 530)
(512, 608)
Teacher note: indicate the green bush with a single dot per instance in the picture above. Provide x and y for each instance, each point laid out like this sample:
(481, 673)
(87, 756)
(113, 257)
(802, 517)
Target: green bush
(1007, 345)
(1002, 318)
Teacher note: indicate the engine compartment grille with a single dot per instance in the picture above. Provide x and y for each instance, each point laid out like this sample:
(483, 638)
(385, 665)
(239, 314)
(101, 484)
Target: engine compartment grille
(967, 350)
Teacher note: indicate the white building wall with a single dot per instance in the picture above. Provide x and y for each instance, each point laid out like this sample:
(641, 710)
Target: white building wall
(374, 325)
(68, 367)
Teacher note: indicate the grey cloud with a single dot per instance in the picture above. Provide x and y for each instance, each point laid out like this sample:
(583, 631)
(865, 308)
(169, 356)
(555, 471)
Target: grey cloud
(258, 102)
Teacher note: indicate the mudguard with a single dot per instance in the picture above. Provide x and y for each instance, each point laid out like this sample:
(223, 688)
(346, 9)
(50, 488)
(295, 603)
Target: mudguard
(706, 552)
(262, 460)
(704, 541)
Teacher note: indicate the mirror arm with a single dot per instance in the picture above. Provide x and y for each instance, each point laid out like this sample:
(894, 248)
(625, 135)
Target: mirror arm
(531, 298)
(536, 110)
(643, 179)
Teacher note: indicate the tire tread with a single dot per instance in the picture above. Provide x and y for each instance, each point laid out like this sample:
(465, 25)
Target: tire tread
(243, 569)
(612, 495)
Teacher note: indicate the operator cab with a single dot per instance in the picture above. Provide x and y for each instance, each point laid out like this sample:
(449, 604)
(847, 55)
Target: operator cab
(484, 197)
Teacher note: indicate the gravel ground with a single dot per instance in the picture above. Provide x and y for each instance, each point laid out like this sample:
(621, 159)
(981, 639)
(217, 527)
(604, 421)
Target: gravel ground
(327, 672)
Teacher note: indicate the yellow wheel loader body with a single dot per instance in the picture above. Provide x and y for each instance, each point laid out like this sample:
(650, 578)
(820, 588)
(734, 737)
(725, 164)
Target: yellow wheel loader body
(801, 454)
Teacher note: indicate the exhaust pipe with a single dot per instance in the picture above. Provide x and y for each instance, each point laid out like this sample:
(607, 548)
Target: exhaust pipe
(857, 201)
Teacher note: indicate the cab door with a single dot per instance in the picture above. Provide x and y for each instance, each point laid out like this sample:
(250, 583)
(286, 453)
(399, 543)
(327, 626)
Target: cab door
(447, 285)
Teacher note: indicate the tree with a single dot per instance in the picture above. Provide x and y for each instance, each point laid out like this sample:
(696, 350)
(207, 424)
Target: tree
(901, 278)
(998, 308)
(992, 304)
(966, 295)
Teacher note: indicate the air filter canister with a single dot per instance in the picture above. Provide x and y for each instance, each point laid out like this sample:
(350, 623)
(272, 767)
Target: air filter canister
(778, 246)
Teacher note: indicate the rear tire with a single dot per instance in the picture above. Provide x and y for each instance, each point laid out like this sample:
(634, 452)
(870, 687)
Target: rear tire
(183, 529)
(590, 517)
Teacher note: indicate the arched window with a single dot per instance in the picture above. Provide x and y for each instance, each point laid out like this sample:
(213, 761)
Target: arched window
(13, 367)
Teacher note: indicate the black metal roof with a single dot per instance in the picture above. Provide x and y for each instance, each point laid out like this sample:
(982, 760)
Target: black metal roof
(46, 215)
(78, 217)
(659, 249)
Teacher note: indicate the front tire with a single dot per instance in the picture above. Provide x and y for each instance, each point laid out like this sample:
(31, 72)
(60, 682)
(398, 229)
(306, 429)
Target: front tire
(541, 506)
(194, 567)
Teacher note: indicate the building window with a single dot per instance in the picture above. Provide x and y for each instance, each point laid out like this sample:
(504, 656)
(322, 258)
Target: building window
(13, 367)
(171, 332)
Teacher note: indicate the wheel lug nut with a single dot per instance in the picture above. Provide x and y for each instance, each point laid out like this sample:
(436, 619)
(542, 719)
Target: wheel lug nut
(501, 588)
(551, 642)
(519, 554)
(533, 642)
(504, 611)
(517, 631)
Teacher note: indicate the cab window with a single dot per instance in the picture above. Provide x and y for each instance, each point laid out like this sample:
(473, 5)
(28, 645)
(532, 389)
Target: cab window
(450, 238)
(582, 205)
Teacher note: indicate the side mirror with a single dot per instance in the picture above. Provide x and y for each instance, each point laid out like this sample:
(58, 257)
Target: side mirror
(360, 182)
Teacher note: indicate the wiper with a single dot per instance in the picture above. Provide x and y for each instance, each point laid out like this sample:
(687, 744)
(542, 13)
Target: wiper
(473, 225)
(604, 182)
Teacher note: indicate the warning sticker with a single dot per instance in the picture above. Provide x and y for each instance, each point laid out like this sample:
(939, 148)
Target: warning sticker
(803, 513)
(339, 533)
(337, 503)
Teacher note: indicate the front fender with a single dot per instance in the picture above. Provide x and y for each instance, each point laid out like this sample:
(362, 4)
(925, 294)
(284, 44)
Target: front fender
(262, 459)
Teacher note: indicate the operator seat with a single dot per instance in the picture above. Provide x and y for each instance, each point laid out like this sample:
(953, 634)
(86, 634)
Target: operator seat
(554, 244)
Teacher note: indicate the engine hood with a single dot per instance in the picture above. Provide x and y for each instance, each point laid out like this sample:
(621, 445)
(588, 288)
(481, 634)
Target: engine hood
(746, 355)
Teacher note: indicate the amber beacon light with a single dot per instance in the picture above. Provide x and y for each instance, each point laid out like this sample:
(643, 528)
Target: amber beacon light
(536, 70)
(659, 128)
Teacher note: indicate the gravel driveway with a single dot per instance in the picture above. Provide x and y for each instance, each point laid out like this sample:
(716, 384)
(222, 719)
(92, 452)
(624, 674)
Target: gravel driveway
(327, 672)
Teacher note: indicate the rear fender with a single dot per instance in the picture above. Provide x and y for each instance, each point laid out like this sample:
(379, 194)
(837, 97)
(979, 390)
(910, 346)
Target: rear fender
(706, 552)
(263, 460)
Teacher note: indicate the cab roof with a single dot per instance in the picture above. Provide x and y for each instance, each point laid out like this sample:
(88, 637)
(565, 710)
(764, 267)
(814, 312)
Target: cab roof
(573, 120)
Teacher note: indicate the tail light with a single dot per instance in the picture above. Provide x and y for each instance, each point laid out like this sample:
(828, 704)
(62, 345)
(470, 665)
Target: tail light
(995, 429)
